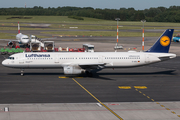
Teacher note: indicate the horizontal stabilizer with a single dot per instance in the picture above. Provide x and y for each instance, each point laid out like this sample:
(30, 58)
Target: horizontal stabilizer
(167, 56)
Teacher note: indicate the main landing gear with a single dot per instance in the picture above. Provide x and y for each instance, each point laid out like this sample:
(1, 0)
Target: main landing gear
(89, 73)
(22, 72)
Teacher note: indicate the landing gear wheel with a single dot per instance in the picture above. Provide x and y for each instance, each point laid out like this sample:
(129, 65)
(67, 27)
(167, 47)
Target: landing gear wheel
(22, 72)
(89, 74)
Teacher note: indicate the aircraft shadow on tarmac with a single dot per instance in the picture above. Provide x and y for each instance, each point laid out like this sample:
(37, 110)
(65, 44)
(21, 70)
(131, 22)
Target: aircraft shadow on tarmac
(167, 72)
(37, 73)
(101, 75)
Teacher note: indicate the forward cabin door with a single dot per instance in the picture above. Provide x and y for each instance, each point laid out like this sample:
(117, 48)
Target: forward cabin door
(21, 58)
(56, 59)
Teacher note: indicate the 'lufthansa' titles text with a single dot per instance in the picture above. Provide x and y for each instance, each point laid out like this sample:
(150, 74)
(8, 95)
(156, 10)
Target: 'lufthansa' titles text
(37, 55)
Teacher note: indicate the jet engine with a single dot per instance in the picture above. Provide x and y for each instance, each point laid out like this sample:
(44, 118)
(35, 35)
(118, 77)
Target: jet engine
(11, 44)
(73, 70)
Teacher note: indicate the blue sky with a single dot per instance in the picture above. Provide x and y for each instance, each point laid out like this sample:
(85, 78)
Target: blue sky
(111, 4)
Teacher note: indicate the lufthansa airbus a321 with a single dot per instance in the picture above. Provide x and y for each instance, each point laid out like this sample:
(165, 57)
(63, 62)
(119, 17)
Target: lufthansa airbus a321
(77, 63)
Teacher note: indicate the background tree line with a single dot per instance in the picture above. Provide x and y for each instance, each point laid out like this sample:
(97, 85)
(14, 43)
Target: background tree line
(160, 14)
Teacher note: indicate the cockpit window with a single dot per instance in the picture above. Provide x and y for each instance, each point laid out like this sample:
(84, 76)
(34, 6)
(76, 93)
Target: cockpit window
(25, 38)
(12, 58)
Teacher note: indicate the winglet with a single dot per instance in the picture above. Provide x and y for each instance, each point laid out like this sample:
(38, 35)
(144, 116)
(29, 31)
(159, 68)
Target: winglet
(162, 45)
(18, 28)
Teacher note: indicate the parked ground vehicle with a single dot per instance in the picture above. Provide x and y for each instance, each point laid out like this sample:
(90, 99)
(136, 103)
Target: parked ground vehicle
(176, 38)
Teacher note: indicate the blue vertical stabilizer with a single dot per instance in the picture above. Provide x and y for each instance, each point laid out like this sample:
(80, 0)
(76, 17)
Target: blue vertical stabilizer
(162, 45)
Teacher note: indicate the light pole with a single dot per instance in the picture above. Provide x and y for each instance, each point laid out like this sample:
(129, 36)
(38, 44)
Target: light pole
(143, 21)
(117, 28)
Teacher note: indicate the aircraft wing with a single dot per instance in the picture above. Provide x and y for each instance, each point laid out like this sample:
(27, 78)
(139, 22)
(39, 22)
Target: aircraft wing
(15, 40)
(71, 68)
(87, 65)
(92, 65)
(9, 40)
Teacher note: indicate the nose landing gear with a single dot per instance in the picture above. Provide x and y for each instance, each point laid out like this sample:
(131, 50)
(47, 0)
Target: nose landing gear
(22, 72)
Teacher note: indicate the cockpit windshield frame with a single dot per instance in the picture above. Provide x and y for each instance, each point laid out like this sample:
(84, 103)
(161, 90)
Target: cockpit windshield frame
(11, 58)
(25, 38)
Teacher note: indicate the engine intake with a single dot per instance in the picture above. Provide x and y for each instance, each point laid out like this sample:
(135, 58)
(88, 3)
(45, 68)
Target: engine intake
(11, 44)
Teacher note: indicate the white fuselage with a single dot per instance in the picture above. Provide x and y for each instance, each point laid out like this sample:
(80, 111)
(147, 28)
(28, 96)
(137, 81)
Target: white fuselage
(59, 60)
(22, 39)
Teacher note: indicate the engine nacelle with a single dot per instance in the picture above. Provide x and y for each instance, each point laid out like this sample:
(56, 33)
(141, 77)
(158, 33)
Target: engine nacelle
(73, 70)
(11, 44)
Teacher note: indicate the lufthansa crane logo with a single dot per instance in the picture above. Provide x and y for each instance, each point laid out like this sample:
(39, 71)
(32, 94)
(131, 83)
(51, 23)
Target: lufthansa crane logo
(165, 40)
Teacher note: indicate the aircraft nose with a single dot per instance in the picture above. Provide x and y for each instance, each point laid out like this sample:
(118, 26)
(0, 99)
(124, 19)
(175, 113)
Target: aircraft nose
(4, 63)
(25, 41)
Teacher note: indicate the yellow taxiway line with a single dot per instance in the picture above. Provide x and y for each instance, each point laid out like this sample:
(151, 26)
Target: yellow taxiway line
(98, 100)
